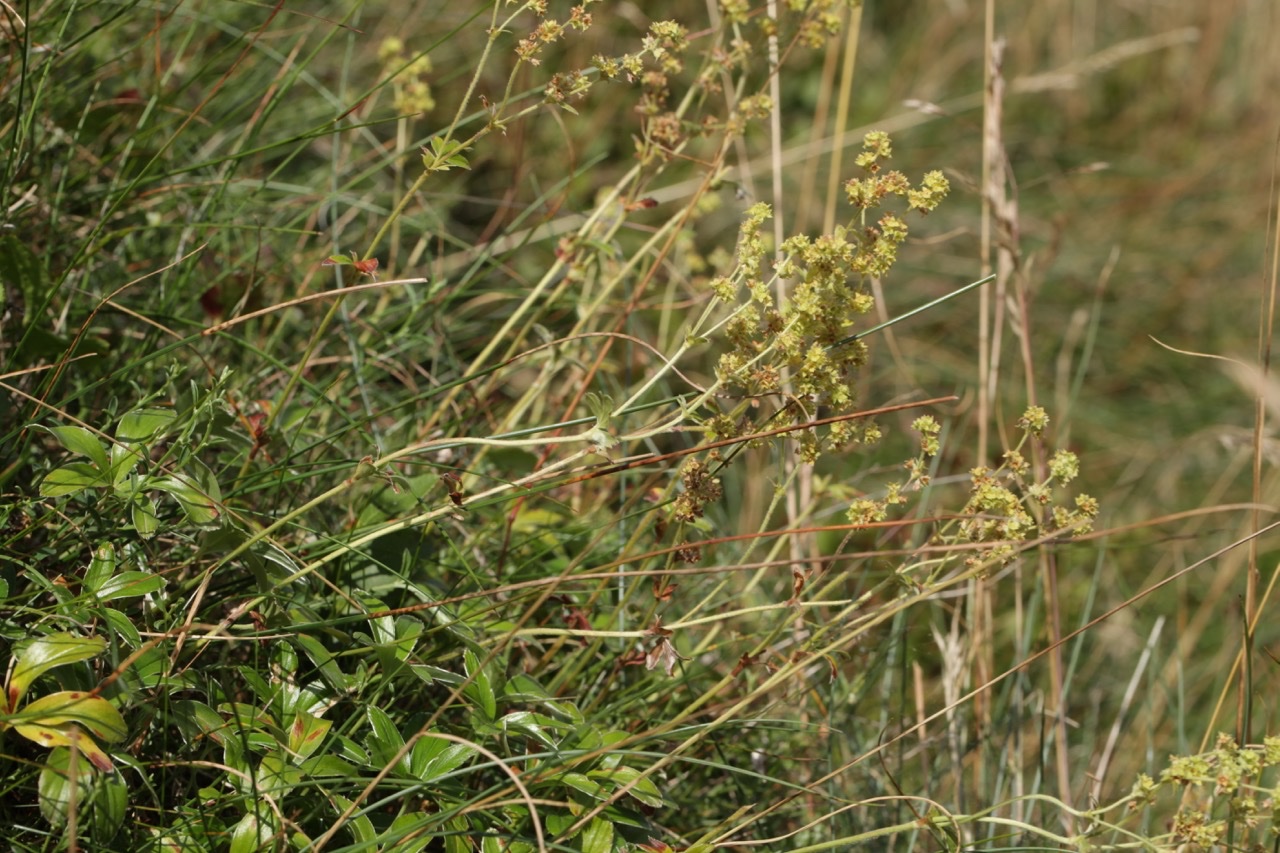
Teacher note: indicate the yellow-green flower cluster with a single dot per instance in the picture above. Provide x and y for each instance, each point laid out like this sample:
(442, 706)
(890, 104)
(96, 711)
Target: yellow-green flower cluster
(1230, 774)
(825, 300)
(918, 467)
(1005, 508)
(411, 93)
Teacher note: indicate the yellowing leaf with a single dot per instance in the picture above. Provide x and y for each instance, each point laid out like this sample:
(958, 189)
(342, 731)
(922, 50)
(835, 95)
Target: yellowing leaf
(69, 735)
(73, 706)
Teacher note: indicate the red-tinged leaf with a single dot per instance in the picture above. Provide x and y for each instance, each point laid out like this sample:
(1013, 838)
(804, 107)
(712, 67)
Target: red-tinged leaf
(663, 653)
(576, 619)
(453, 483)
(656, 846)
(743, 662)
(369, 267)
(663, 590)
(257, 426)
(635, 657)
(94, 753)
(306, 733)
(656, 630)
(798, 579)
(211, 303)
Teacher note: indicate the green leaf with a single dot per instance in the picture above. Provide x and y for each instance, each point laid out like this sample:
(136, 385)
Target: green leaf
(121, 625)
(195, 719)
(110, 800)
(444, 155)
(198, 505)
(42, 655)
(142, 425)
(459, 838)
(71, 478)
(557, 823)
(407, 633)
(277, 776)
(598, 836)
(326, 766)
(98, 800)
(149, 670)
(101, 567)
(320, 657)
(406, 835)
(581, 783)
(130, 585)
(601, 406)
(643, 790)
(532, 725)
(80, 440)
(55, 787)
(359, 825)
(439, 757)
(522, 688)
(480, 690)
(254, 831)
(142, 510)
(250, 728)
(424, 750)
(385, 742)
(350, 750)
(123, 460)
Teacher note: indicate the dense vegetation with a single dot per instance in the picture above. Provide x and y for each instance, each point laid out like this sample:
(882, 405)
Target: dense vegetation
(496, 427)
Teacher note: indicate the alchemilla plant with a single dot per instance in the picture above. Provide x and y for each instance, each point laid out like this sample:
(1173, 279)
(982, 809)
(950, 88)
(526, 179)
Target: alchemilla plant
(554, 517)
